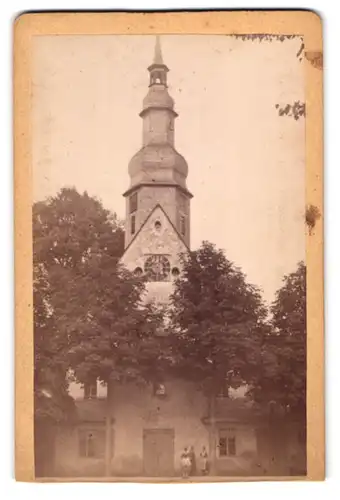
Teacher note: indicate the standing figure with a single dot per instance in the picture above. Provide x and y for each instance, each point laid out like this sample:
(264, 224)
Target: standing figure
(204, 464)
(185, 463)
(193, 461)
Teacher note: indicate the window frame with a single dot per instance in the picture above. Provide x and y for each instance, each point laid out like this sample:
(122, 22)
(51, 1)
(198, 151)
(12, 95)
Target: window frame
(88, 393)
(91, 434)
(229, 435)
(175, 272)
(157, 276)
(138, 272)
(133, 224)
(182, 225)
(158, 226)
(133, 203)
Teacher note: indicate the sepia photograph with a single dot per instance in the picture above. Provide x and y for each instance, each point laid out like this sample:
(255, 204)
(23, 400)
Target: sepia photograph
(169, 227)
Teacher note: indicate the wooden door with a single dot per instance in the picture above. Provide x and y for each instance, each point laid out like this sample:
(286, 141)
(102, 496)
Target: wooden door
(158, 452)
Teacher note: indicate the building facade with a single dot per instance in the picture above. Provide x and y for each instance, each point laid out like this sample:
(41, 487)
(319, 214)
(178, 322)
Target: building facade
(128, 431)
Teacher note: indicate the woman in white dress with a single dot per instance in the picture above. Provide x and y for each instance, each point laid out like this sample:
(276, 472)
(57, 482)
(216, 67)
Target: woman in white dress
(204, 464)
(186, 463)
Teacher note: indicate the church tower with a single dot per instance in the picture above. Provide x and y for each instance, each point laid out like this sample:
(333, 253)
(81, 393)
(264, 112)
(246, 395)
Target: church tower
(157, 201)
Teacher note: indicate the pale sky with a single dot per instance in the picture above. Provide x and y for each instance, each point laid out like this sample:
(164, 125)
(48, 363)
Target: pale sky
(246, 164)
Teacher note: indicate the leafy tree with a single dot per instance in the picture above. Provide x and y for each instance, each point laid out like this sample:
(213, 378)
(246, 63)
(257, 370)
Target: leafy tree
(88, 311)
(52, 402)
(283, 378)
(217, 319)
(67, 229)
(114, 338)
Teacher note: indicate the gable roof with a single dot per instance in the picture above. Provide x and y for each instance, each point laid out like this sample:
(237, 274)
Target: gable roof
(145, 222)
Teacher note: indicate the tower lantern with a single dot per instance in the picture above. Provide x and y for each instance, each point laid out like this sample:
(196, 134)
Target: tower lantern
(158, 70)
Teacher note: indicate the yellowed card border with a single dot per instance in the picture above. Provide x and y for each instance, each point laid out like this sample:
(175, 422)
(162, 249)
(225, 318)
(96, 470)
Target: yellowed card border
(304, 23)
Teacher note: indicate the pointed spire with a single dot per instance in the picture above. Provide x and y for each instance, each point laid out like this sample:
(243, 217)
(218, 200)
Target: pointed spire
(158, 58)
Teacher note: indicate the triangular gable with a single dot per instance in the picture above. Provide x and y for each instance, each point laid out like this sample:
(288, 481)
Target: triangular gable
(145, 222)
(148, 241)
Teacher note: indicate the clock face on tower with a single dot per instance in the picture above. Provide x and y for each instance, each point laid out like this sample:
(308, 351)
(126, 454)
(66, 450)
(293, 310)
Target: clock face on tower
(157, 268)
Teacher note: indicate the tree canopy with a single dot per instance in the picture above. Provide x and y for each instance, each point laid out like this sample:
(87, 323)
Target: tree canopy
(283, 376)
(88, 314)
(217, 320)
(51, 399)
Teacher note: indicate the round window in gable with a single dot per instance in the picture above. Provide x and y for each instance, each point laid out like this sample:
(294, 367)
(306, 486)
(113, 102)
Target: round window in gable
(175, 272)
(138, 272)
(158, 225)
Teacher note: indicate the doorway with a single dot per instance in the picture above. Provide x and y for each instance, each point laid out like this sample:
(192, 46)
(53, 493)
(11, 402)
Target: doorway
(158, 452)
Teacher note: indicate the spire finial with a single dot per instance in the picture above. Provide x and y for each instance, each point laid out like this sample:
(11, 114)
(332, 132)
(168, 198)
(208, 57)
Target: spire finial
(158, 58)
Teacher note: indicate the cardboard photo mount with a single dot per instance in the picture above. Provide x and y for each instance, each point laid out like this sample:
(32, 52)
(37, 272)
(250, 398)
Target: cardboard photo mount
(27, 26)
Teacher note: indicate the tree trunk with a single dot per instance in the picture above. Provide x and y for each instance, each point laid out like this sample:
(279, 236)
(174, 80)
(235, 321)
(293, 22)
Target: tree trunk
(108, 436)
(212, 436)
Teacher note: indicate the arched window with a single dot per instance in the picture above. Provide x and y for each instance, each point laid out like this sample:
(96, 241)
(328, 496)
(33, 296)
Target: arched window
(138, 272)
(158, 77)
(175, 272)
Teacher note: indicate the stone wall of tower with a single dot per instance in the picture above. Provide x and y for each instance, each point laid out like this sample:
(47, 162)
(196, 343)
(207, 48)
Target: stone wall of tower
(166, 241)
(158, 127)
(171, 199)
(183, 209)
